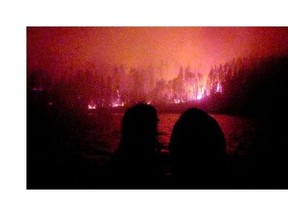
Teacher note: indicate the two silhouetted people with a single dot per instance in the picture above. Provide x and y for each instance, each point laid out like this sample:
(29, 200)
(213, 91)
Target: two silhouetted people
(197, 149)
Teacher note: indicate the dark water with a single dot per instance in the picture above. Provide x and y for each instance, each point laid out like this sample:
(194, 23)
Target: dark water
(103, 131)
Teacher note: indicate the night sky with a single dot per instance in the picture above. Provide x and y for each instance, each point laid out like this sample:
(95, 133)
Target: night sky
(58, 49)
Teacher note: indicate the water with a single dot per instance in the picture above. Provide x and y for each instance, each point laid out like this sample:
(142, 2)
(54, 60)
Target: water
(240, 132)
(103, 132)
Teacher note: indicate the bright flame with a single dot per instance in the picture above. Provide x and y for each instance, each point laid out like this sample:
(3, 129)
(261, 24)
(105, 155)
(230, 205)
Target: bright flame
(218, 88)
(92, 105)
(176, 101)
(117, 104)
(199, 96)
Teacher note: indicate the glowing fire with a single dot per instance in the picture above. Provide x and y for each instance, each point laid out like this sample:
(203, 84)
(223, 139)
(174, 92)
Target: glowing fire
(117, 104)
(202, 92)
(92, 105)
(176, 101)
(218, 88)
(200, 96)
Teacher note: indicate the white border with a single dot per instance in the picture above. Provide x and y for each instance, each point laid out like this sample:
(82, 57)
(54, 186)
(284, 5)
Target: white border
(16, 15)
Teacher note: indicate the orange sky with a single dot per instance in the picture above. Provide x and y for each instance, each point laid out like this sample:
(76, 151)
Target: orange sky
(58, 49)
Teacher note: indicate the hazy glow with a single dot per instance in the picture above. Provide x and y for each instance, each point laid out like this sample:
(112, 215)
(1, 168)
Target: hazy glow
(58, 50)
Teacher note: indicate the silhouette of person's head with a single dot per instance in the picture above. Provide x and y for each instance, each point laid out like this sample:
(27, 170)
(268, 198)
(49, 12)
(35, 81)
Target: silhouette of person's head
(136, 157)
(139, 130)
(197, 146)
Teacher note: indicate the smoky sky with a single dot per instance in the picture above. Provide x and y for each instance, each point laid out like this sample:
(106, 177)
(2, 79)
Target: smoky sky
(58, 49)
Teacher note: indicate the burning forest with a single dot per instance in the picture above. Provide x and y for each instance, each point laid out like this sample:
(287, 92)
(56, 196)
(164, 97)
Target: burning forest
(95, 68)
(120, 86)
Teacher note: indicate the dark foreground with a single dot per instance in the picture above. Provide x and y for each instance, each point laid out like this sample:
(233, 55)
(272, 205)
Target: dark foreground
(70, 149)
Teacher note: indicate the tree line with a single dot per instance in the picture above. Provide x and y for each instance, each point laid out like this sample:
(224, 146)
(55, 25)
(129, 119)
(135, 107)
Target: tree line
(240, 85)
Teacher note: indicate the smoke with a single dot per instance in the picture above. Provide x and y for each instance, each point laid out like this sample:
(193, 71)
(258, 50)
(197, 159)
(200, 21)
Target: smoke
(161, 50)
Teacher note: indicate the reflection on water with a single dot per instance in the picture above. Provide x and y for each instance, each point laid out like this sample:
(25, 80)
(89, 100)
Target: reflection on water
(103, 132)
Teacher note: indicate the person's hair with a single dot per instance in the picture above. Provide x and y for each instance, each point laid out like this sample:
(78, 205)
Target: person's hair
(197, 144)
(139, 128)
